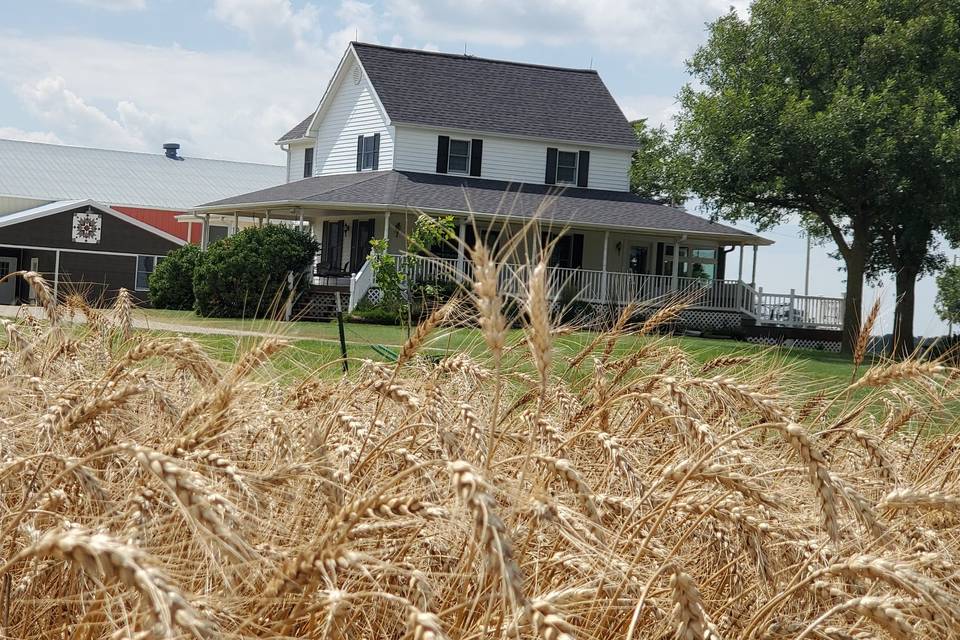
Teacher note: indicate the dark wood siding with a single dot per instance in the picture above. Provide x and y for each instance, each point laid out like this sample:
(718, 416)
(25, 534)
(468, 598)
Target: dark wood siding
(98, 277)
(55, 231)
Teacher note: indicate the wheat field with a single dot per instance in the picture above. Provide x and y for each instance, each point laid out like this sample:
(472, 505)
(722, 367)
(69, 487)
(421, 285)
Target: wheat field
(150, 491)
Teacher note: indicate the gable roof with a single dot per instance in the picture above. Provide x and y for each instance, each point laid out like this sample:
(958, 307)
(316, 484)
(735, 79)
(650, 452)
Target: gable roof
(398, 190)
(444, 90)
(60, 206)
(59, 172)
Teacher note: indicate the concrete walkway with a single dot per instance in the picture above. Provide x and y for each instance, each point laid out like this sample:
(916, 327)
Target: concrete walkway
(140, 322)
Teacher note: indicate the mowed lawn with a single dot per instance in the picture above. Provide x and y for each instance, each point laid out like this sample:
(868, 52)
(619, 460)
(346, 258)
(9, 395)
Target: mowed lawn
(315, 345)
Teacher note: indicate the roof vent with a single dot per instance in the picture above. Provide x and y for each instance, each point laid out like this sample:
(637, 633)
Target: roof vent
(170, 150)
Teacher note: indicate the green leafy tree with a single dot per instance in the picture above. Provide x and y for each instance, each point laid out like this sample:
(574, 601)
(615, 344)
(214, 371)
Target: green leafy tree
(948, 294)
(171, 283)
(806, 108)
(657, 170)
(245, 275)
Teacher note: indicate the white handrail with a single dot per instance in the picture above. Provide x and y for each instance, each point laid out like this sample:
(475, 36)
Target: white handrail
(360, 283)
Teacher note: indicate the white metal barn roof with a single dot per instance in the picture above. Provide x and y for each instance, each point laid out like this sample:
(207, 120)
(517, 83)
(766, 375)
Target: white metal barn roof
(59, 172)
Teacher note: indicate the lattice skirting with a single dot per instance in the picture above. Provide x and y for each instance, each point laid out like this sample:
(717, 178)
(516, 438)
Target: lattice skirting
(798, 343)
(315, 305)
(704, 319)
(374, 295)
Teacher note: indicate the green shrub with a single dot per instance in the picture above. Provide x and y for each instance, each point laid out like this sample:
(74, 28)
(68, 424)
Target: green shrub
(245, 275)
(171, 283)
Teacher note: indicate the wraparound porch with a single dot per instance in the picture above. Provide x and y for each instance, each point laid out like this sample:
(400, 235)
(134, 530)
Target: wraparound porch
(605, 267)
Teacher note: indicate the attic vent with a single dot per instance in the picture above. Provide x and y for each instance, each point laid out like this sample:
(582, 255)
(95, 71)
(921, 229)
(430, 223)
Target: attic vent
(357, 75)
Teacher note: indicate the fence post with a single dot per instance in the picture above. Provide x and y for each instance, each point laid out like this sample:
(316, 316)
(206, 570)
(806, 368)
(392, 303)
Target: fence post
(343, 339)
(288, 306)
(758, 306)
(793, 297)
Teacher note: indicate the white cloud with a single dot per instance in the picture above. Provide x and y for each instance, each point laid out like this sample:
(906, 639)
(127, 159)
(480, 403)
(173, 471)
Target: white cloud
(113, 5)
(13, 133)
(271, 23)
(658, 110)
(655, 27)
(51, 100)
(130, 96)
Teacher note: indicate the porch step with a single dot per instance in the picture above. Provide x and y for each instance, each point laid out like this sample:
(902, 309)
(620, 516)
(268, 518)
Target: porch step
(319, 302)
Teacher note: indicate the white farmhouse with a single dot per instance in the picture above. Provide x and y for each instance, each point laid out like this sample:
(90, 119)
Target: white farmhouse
(400, 132)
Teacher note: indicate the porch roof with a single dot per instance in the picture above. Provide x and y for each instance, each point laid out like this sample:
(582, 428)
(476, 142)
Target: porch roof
(433, 193)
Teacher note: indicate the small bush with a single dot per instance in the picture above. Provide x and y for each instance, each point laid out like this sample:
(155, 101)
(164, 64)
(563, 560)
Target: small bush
(171, 283)
(242, 275)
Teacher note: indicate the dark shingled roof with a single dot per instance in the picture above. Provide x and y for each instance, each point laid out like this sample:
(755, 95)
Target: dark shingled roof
(478, 94)
(407, 189)
(298, 131)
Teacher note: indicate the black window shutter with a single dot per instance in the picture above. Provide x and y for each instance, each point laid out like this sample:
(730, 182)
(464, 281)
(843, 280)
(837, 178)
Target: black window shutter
(583, 169)
(476, 156)
(576, 259)
(376, 151)
(443, 153)
(658, 267)
(551, 175)
(359, 153)
(722, 262)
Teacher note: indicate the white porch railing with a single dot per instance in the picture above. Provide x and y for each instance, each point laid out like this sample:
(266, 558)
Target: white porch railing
(360, 283)
(792, 310)
(618, 289)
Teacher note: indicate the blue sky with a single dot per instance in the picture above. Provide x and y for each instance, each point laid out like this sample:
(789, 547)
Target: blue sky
(226, 78)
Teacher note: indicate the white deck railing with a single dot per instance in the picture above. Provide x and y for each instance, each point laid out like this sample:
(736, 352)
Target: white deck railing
(618, 289)
(360, 283)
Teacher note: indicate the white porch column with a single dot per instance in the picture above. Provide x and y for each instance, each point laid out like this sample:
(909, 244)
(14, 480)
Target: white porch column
(189, 232)
(674, 280)
(205, 232)
(461, 240)
(299, 218)
(268, 216)
(386, 228)
(236, 222)
(753, 277)
(740, 277)
(603, 276)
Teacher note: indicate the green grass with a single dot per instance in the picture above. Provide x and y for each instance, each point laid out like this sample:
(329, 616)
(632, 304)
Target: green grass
(315, 345)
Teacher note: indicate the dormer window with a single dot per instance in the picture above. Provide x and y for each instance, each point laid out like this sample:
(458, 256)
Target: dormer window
(368, 152)
(566, 167)
(459, 158)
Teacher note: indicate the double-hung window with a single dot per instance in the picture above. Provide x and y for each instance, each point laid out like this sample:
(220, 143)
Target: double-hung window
(368, 158)
(459, 157)
(566, 167)
(308, 162)
(145, 266)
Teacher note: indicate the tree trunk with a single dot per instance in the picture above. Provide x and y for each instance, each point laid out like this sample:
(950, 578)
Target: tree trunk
(903, 336)
(855, 259)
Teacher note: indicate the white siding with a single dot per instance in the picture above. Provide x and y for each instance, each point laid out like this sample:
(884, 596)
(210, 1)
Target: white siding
(511, 159)
(10, 204)
(295, 161)
(350, 111)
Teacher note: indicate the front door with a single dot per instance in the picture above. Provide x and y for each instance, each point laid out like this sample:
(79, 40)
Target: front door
(638, 260)
(331, 251)
(363, 233)
(8, 288)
